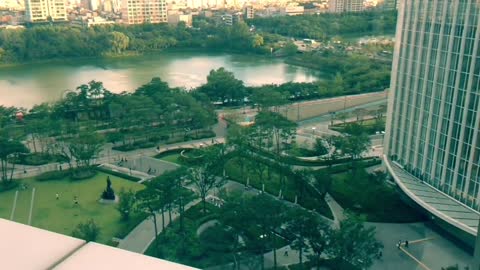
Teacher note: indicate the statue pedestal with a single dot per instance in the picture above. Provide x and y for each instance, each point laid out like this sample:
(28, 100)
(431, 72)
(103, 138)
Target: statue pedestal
(103, 201)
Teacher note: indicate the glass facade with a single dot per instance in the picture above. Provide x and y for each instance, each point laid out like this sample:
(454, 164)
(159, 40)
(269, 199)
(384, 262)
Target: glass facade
(434, 110)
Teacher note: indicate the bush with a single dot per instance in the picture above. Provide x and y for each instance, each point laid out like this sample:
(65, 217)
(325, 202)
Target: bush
(53, 175)
(35, 159)
(80, 174)
(134, 146)
(8, 185)
(88, 231)
(302, 152)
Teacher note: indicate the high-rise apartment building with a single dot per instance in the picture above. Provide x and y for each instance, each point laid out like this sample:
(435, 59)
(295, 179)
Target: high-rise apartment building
(433, 128)
(340, 6)
(390, 4)
(45, 10)
(144, 11)
(249, 12)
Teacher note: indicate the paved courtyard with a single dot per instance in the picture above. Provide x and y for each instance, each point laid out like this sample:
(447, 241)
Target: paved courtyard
(432, 250)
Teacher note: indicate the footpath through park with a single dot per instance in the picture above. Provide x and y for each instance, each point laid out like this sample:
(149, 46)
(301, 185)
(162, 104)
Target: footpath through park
(142, 236)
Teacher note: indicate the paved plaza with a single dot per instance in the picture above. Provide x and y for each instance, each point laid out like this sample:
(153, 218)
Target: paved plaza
(428, 249)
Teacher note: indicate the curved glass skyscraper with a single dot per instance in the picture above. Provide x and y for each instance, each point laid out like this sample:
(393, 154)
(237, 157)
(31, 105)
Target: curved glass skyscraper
(432, 142)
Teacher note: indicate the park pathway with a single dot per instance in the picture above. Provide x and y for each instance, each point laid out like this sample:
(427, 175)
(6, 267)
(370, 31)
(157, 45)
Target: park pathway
(140, 238)
(110, 156)
(337, 209)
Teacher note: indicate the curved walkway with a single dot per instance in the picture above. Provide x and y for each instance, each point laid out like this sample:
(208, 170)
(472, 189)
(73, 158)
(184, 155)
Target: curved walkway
(142, 236)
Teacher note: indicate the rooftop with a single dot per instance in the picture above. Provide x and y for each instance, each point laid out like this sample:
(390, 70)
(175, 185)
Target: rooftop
(435, 201)
(25, 247)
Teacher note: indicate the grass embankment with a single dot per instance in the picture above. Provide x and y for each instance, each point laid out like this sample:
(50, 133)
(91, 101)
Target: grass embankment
(378, 201)
(62, 215)
(273, 184)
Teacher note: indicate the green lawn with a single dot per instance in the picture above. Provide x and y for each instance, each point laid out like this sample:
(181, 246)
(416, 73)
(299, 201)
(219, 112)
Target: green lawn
(172, 158)
(62, 215)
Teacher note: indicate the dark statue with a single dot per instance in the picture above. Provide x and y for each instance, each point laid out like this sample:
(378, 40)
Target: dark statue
(108, 193)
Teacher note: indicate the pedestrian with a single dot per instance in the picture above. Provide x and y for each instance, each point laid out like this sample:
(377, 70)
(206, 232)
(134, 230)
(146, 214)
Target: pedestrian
(406, 243)
(60, 167)
(149, 170)
(57, 196)
(75, 200)
(399, 244)
(285, 253)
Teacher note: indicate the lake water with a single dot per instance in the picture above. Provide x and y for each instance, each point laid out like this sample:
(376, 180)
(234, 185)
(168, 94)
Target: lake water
(26, 85)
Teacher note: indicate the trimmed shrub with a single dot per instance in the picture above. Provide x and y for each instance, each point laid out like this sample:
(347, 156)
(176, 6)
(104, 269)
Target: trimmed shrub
(35, 159)
(53, 175)
(119, 174)
(80, 174)
(8, 186)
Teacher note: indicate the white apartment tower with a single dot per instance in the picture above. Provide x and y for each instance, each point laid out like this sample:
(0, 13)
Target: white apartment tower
(45, 10)
(144, 11)
(340, 6)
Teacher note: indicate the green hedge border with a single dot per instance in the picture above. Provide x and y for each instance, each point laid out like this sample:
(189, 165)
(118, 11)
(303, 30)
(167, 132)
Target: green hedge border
(119, 174)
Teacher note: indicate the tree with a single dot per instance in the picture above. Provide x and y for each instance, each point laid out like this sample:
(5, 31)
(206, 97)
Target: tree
(360, 114)
(149, 200)
(85, 148)
(8, 149)
(290, 49)
(320, 146)
(355, 244)
(269, 215)
(278, 127)
(355, 143)
(118, 41)
(222, 86)
(126, 203)
(300, 225)
(319, 240)
(169, 186)
(88, 231)
(204, 180)
(237, 137)
(235, 214)
(269, 96)
(322, 182)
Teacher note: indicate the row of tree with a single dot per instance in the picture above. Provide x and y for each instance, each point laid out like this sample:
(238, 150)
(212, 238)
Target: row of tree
(59, 42)
(325, 26)
(353, 76)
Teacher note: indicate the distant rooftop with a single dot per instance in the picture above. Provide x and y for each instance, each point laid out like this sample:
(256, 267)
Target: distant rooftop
(28, 248)
(434, 201)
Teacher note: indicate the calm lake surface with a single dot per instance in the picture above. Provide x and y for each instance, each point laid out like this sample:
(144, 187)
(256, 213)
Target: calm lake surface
(26, 85)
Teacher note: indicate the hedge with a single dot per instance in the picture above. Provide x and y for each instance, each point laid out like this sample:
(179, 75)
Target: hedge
(53, 175)
(119, 174)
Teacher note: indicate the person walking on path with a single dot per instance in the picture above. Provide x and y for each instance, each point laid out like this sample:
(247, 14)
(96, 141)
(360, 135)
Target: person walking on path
(57, 196)
(399, 244)
(286, 252)
(406, 243)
